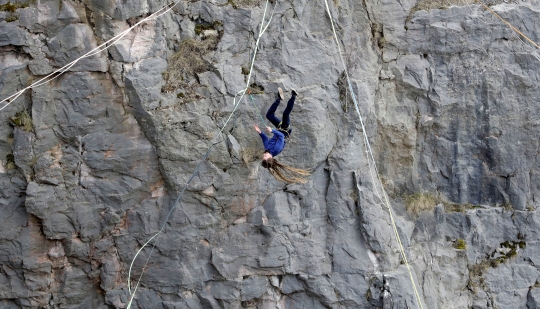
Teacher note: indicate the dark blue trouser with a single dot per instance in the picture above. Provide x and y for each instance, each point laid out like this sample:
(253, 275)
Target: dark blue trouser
(270, 115)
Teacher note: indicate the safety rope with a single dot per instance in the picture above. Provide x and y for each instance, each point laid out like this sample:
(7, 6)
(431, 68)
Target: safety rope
(10, 99)
(373, 165)
(508, 24)
(256, 107)
(163, 227)
(236, 104)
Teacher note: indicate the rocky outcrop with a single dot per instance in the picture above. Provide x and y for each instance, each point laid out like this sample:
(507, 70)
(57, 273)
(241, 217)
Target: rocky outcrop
(448, 97)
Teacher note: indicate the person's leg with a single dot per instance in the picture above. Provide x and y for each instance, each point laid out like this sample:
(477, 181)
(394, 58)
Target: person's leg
(270, 115)
(287, 112)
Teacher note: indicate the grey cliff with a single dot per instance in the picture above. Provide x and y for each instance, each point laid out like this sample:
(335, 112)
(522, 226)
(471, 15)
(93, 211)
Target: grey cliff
(450, 100)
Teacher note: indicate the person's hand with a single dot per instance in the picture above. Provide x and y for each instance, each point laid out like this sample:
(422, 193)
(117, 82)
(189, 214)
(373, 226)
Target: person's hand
(257, 129)
(269, 129)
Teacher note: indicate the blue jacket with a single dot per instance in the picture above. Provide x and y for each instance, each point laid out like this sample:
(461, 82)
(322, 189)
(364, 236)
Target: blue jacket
(274, 145)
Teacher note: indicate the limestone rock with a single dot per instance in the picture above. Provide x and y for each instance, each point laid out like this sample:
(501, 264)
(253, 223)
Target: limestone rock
(449, 100)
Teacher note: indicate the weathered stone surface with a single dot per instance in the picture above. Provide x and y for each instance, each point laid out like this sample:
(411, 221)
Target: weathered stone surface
(449, 98)
(72, 42)
(12, 35)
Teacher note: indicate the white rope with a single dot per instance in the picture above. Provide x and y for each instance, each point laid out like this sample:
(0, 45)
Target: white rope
(236, 104)
(375, 177)
(10, 99)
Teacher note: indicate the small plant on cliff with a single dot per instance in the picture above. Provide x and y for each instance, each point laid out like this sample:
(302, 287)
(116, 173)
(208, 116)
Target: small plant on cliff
(418, 202)
(187, 62)
(243, 3)
(11, 18)
(23, 119)
(203, 26)
(10, 139)
(10, 162)
(256, 88)
(476, 276)
(460, 244)
(452, 207)
(12, 7)
(251, 154)
(352, 59)
(506, 251)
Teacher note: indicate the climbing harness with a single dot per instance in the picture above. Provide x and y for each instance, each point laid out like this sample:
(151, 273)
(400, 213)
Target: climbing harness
(7, 101)
(203, 159)
(285, 131)
(375, 177)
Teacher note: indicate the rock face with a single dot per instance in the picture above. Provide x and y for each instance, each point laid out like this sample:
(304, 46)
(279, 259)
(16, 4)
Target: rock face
(449, 98)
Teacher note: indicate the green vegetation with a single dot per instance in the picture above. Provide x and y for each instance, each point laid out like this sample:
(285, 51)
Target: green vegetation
(368, 295)
(24, 120)
(498, 256)
(425, 201)
(231, 2)
(12, 7)
(460, 244)
(507, 250)
(201, 27)
(10, 162)
(513, 245)
(33, 162)
(419, 202)
(243, 3)
(256, 88)
(476, 276)
(507, 207)
(11, 18)
(245, 71)
(353, 195)
(10, 139)
(451, 207)
(344, 95)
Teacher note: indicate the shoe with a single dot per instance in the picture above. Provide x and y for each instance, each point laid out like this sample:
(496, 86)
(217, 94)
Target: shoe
(294, 93)
(280, 93)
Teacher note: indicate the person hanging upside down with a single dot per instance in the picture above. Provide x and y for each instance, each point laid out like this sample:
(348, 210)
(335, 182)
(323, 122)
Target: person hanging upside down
(275, 145)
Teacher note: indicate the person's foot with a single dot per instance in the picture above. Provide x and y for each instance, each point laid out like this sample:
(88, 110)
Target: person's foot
(280, 93)
(294, 93)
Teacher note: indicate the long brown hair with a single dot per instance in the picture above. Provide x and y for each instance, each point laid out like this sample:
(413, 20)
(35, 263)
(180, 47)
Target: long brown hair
(284, 172)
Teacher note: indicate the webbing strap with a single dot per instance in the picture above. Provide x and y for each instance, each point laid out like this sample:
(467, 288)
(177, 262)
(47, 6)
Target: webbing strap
(102, 47)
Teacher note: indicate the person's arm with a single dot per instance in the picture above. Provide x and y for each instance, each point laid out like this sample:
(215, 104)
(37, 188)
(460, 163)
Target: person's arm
(262, 135)
(264, 138)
